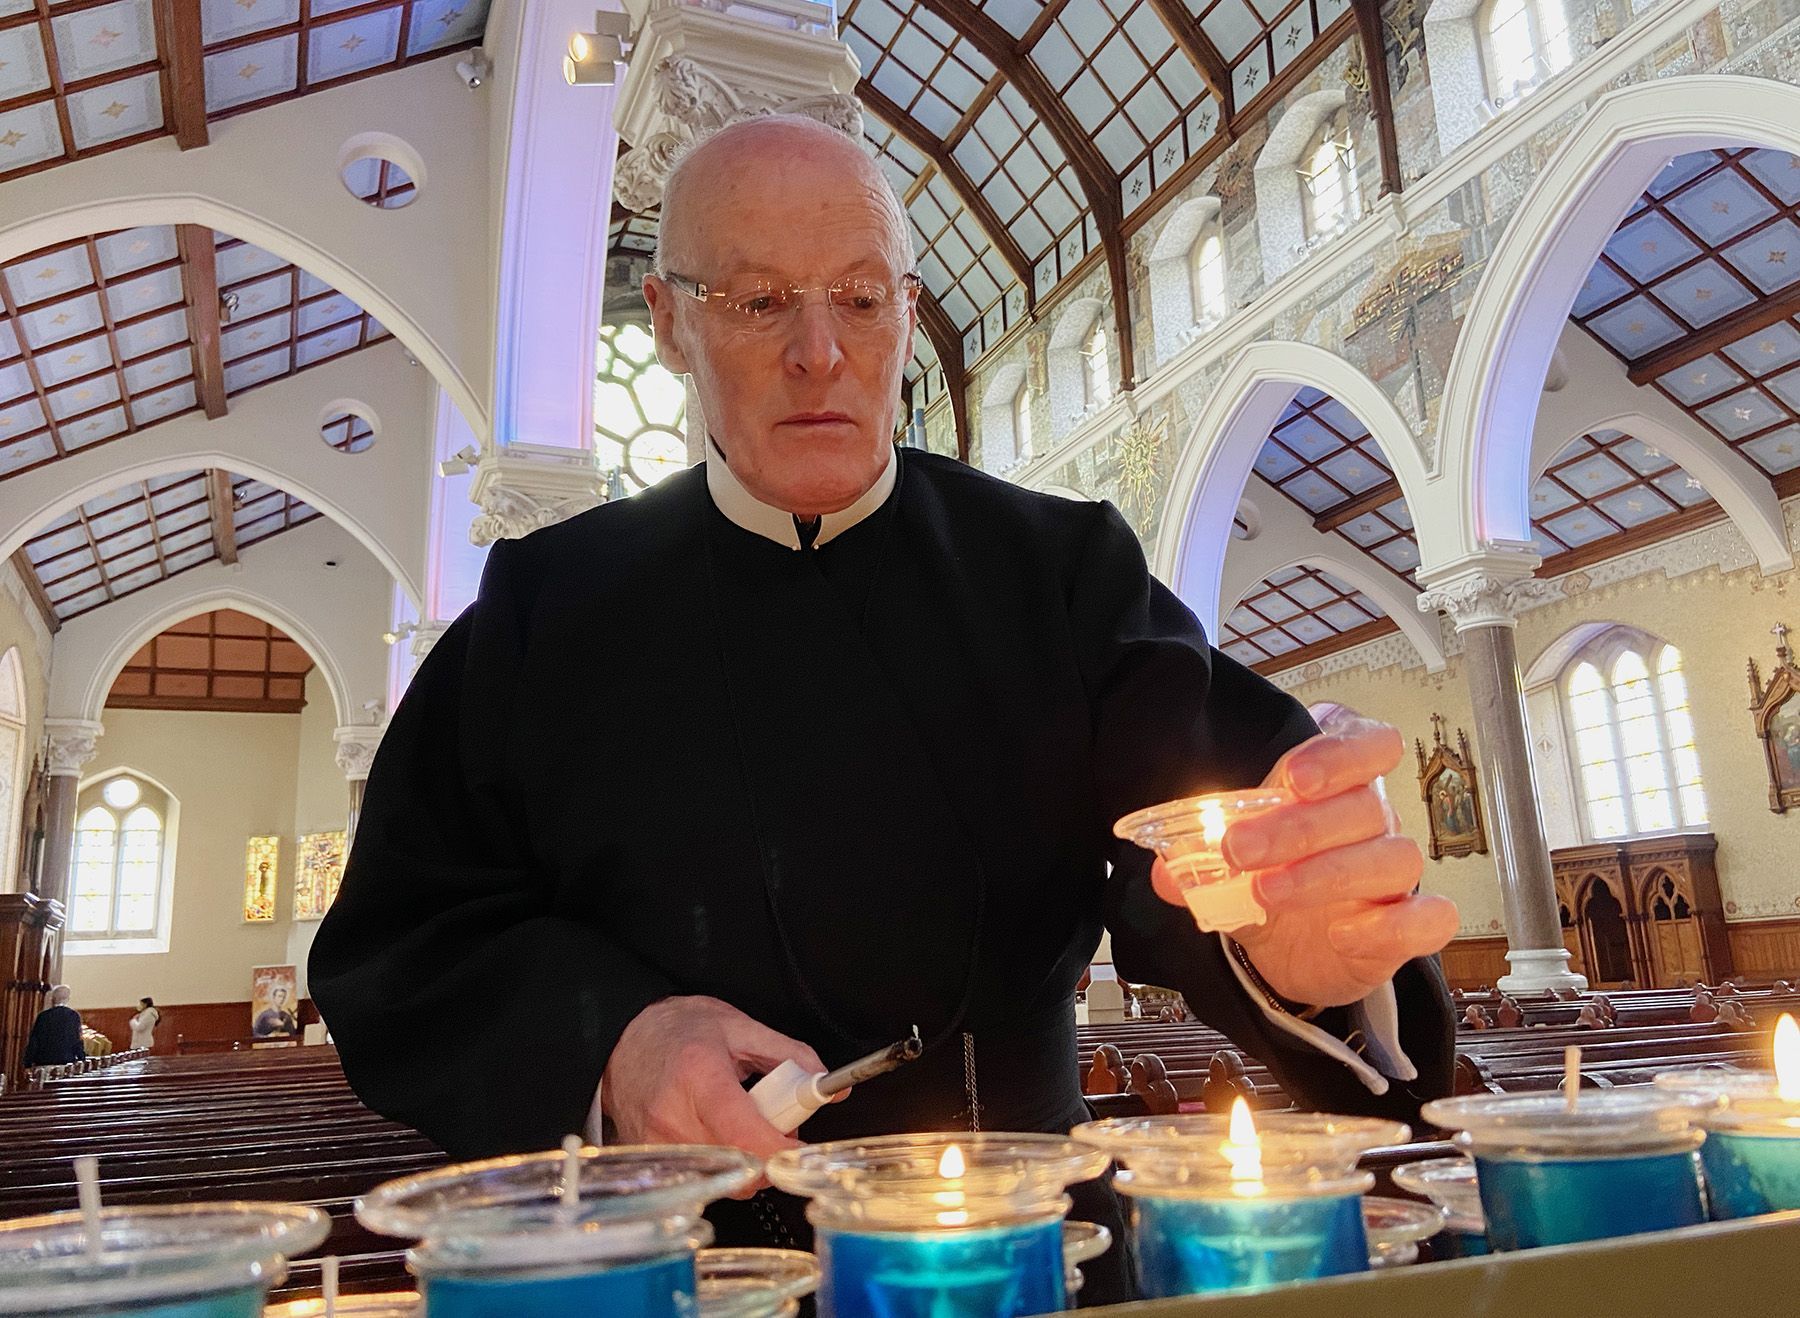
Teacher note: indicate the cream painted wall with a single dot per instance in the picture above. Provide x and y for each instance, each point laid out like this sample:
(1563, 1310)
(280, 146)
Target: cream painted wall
(21, 626)
(1718, 620)
(234, 775)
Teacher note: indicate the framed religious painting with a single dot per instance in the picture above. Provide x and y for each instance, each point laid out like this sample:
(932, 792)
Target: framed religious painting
(274, 1002)
(1452, 793)
(1775, 709)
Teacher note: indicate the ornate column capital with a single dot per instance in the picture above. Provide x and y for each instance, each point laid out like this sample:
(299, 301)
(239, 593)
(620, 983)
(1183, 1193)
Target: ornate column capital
(1486, 590)
(424, 636)
(356, 749)
(523, 488)
(695, 68)
(72, 742)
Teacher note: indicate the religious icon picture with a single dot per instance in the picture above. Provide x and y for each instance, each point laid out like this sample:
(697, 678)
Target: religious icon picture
(1775, 710)
(274, 1002)
(1452, 795)
(261, 869)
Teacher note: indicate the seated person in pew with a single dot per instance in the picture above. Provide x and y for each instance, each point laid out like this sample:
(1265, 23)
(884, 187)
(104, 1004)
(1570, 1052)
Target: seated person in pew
(55, 1038)
(884, 711)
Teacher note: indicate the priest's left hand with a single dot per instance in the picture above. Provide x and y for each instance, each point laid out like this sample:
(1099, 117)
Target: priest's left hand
(1334, 875)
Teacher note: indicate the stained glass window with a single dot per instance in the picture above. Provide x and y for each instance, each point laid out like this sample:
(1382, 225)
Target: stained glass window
(318, 869)
(1638, 767)
(261, 873)
(639, 409)
(120, 837)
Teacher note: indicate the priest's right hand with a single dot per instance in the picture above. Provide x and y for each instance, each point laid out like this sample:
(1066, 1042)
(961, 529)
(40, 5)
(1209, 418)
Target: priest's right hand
(676, 1076)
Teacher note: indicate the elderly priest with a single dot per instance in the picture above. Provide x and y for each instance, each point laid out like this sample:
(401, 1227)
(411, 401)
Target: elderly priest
(824, 739)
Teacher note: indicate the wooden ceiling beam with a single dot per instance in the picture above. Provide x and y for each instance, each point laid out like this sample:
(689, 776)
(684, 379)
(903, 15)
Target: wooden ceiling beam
(219, 509)
(1381, 99)
(1202, 54)
(1721, 333)
(947, 343)
(202, 279)
(1352, 508)
(34, 587)
(928, 145)
(178, 34)
(1098, 182)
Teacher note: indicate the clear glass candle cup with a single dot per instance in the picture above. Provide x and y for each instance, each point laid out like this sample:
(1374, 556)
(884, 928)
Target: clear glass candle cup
(1752, 1152)
(1450, 1184)
(952, 1225)
(1189, 836)
(754, 1283)
(383, 1304)
(503, 1238)
(161, 1261)
(1620, 1162)
(1209, 1216)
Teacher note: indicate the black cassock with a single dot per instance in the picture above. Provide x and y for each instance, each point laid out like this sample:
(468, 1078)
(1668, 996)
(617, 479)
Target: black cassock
(847, 790)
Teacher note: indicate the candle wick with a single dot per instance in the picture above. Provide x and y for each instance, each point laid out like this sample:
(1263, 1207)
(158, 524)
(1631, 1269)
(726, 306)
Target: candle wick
(1572, 1075)
(328, 1283)
(571, 1183)
(87, 1194)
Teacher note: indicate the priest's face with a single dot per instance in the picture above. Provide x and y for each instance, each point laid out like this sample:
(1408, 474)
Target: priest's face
(801, 401)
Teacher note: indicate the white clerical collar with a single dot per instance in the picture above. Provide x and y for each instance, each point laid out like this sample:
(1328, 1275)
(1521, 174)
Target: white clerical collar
(751, 513)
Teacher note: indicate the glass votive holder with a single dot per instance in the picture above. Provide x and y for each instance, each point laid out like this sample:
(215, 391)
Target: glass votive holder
(514, 1238)
(1752, 1152)
(1189, 836)
(1396, 1228)
(951, 1226)
(754, 1283)
(162, 1261)
(1618, 1163)
(1450, 1184)
(1213, 1210)
(373, 1304)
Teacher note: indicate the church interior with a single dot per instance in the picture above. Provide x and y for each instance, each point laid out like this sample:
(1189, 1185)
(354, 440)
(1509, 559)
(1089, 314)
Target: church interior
(1443, 356)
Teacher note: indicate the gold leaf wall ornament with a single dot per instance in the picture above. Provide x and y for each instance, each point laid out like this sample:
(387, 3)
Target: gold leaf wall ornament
(1356, 72)
(1140, 452)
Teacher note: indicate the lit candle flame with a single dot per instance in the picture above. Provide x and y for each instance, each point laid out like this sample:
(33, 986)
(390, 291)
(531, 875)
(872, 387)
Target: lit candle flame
(1212, 822)
(951, 1167)
(1243, 1150)
(1787, 1059)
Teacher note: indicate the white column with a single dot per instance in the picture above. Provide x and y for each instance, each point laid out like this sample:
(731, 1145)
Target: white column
(1482, 595)
(72, 742)
(355, 754)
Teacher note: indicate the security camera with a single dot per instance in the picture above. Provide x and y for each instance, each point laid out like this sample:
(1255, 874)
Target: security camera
(473, 69)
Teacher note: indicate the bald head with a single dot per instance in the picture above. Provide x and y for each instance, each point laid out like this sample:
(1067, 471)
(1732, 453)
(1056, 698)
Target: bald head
(741, 159)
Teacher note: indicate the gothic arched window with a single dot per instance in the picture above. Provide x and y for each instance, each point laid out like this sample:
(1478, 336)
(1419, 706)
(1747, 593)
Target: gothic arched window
(1095, 379)
(119, 872)
(1523, 42)
(1021, 419)
(639, 409)
(1206, 270)
(1635, 761)
(1328, 177)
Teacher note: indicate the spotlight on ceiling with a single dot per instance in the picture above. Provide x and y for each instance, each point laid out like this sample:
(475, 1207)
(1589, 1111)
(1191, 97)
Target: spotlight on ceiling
(460, 461)
(228, 305)
(474, 68)
(399, 633)
(593, 58)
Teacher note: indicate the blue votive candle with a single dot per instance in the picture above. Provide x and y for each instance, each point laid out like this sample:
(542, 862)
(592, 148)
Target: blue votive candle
(173, 1261)
(1752, 1152)
(943, 1226)
(1200, 1245)
(1241, 1205)
(1001, 1271)
(1617, 1163)
(601, 1231)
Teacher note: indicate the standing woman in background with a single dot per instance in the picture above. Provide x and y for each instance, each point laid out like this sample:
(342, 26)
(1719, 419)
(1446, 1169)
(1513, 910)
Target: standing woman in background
(143, 1025)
